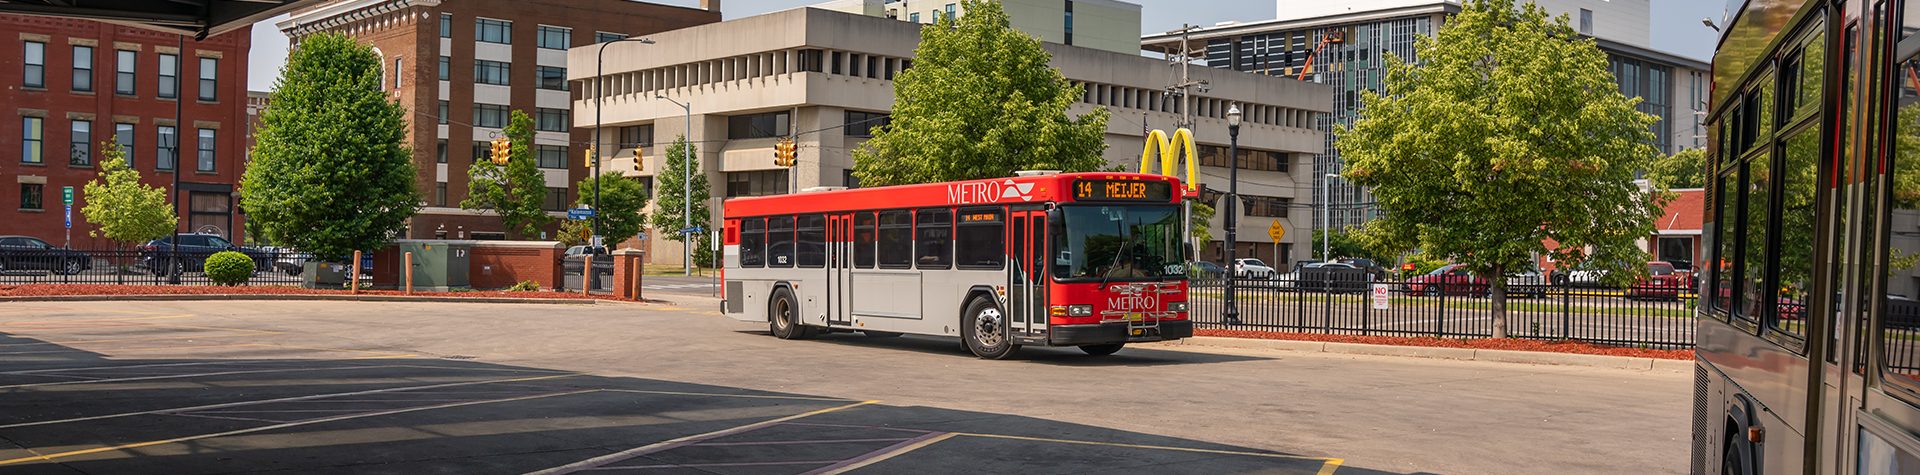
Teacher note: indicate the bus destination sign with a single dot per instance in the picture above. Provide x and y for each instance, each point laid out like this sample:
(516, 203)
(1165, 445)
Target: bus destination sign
(1122, 190)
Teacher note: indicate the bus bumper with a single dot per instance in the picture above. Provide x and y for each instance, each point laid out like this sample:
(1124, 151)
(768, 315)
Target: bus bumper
(1116, 332)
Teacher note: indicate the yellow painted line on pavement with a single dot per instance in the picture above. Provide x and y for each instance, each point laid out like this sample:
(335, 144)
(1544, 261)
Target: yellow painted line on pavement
(748, 396)
(637, 451)
(1328, 464)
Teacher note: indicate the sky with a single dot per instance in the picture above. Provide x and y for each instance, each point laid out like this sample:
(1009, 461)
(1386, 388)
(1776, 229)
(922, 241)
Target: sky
(1676, 25)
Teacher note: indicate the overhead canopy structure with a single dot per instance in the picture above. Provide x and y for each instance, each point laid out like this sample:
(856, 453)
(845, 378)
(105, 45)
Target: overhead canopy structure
(200, 18)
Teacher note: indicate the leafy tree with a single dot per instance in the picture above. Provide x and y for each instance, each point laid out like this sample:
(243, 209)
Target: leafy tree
(515, 192)
(621, 200)
(1199, 222)
(673, 193)
(1344, 244)
(980, 102)
(120, 207)
(1684, 169)
(331, 172)
(574, 233)
(1512, 132)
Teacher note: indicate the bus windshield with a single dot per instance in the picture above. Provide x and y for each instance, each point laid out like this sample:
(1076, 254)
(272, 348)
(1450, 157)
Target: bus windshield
(1118, 243)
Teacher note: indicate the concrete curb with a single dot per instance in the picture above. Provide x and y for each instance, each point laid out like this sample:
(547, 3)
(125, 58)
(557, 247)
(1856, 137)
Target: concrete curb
(1470, 354)
(324, 297)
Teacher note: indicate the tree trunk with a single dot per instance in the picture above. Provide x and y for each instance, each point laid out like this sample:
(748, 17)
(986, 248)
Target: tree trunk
(1498, 297)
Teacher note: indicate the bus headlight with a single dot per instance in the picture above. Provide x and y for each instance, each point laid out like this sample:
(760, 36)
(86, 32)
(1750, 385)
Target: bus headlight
(1176, 306)
(1079, 310)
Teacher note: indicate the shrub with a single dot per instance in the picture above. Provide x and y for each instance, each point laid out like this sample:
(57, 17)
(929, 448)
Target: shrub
(229, 268)
(525, 286)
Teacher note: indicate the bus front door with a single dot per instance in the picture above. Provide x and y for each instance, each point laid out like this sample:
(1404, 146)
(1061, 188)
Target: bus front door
(839, 269)
(1026, 273)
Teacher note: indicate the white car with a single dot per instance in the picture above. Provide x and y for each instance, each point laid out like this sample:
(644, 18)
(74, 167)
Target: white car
(1253, 269)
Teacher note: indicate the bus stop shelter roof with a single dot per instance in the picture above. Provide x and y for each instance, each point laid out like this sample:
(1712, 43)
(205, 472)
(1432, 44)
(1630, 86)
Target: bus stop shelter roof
(199, 18)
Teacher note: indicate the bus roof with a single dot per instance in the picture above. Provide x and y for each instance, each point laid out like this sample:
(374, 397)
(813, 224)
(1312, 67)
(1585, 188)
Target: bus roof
(989, 192)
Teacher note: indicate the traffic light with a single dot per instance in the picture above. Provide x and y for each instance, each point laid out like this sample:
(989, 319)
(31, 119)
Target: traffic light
(588, 158)
(785, 153)
(502, 150)
(637, 160)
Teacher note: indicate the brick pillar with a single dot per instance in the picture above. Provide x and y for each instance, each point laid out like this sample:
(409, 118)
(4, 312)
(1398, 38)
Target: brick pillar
(627, 264)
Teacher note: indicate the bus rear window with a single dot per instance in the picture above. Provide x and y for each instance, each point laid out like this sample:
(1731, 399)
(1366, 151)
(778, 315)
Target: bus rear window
(896, 239)
(753, 242)
(780, 241)
(933, 248)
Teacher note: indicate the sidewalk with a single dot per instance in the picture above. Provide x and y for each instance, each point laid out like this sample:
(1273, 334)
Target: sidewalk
(1471, 354)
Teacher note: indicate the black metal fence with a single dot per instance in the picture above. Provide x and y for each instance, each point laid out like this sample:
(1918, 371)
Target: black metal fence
(138, 266)
(1642, 315)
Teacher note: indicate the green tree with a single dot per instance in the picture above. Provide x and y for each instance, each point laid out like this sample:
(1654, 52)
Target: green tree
(673, 194)
(515, 192)
(1684, 169)
(1200, 222)
(331, 172)
(120, 207)
(621, 200)
(1344, 244)
(980, 102)
(574, 233)
(1511, 133)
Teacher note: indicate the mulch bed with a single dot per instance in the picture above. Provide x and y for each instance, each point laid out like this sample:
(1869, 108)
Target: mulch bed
(1480, 343)
(36, 290)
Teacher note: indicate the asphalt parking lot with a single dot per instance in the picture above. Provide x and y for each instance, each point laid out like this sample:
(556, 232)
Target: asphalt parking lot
(331, 387)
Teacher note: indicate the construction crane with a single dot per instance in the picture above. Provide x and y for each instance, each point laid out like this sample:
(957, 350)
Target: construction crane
(1327, 37)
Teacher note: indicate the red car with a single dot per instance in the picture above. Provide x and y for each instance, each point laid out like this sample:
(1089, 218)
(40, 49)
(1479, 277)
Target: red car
(1661, 282)
(1450, 279)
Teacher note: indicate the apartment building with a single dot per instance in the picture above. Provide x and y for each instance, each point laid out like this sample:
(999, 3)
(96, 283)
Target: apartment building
(461, 66)
(177, 105)
(826, 77)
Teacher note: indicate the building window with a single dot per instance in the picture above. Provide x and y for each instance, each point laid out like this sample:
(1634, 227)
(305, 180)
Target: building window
(123, 72)
(636, 136)
(124, 134)
(397, 69)
(1069, 23)
(810, 60)
(553, 37)
(913, 17)
(1266, 206)
(210, 210)
(169, 87)
(835, 62)
(440, 194)
(863, 124)
(446, 67)
(489, 116)
(556, 199)
(553, 78)
(209, 79)
(81, 143)
(550, 156)
(31, 137)
(1586, 21)
(950, 12)
(167, 150)
(772, 124)
(603, 37)
(482, 150)
(443, 112)
(490, 72)
(550, 120)
(446, 25)
(82, 68)
(35, 73)
(756, 183)
(206, 142)
(493, 31)
(32, 196)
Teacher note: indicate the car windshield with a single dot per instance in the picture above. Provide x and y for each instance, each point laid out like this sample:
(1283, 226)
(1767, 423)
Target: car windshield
(1118, 243)
(1660, 268)
(1253, 262)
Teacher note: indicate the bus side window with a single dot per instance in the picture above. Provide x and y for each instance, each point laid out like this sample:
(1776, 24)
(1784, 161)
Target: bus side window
(896, 240)
(982, 239)
(813, 241)
(863, 240)
(780, 241)
(753, 242)
(933, 246)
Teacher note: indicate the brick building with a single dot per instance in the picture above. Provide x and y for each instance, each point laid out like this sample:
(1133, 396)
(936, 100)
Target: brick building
(70, 84)
(460, 67)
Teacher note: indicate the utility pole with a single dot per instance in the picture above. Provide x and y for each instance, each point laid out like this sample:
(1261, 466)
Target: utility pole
(1186, 121)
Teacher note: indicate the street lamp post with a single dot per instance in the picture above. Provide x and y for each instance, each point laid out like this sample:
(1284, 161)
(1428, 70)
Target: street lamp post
(686, 188)
(600, 91)
(1231, 315)
(1326, 216)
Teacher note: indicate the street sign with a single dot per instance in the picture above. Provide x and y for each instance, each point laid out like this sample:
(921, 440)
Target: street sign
(69, 213)
(1382, 296)
(1276, 231)
(66, 195)
(693, 230)
(577, 214)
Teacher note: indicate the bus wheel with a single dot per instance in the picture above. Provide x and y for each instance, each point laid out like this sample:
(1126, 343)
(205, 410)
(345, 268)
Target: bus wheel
(984, 330)
(783, 317)
(1102, 350)
(1734, 461)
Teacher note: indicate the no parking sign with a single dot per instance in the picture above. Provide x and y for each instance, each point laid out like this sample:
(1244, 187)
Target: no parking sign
(1382, 297)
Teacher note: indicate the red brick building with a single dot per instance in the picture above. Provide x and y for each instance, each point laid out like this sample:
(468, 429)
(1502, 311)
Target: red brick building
(71, 84)
(460, 67)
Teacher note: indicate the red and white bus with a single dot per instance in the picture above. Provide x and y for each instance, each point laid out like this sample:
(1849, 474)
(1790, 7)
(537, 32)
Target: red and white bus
(1093, 260)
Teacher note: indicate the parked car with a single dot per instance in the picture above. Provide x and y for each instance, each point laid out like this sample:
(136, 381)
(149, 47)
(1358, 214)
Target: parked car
(286, 259)
(26, 253)
(1334, 277)
(1373, 268)
(1203, 270)
(1526, 284)
(1253, 269)
(1584, 275)
(1450, 279)
(192, 254)
(577, 251)
(1661, 282)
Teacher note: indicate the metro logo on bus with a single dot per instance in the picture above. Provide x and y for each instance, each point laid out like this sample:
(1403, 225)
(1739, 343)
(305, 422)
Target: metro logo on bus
(1134, 303)
(988, 192)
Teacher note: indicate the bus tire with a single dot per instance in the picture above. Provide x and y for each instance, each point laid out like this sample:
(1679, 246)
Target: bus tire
(783, 316)
(983, 328)
(1102, 350)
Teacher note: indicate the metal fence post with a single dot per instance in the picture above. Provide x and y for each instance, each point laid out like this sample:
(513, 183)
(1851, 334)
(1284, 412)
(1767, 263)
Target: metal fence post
(1440, 315)
(1566, 312)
